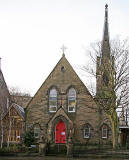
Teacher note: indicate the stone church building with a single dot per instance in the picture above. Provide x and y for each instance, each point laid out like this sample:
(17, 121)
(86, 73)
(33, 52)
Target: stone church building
(64, 112)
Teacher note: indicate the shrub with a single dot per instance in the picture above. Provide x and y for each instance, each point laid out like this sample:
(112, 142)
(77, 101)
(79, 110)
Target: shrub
(29, 138)
(127, 145)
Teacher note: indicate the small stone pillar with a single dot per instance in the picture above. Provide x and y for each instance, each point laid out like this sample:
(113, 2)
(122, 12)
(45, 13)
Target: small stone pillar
(69, 147)
(42, 147)
(120, 138)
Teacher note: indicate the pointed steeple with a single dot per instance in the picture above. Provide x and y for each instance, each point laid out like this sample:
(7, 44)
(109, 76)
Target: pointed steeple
(105, 41)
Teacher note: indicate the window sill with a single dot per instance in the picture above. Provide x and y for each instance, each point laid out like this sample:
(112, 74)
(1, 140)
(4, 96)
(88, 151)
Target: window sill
(86, 137)
(52, 111)
(71, 111)
(104, 137)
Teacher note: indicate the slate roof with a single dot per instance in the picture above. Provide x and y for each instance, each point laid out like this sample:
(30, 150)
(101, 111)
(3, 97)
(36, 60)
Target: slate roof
(18, 108)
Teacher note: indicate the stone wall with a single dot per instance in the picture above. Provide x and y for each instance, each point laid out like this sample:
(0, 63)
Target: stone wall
(86, 108)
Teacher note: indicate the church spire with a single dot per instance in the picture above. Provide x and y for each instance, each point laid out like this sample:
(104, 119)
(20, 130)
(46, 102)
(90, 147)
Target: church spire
(105, 42)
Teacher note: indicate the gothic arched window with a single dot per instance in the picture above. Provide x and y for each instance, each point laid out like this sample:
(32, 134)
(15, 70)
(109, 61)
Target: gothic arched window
(53, 100)
(105, 78)
(71, 100)
(104, 131)
(87, 131)
(37, 131)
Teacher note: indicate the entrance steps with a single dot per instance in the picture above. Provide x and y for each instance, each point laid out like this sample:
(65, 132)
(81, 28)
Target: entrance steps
(56, 149)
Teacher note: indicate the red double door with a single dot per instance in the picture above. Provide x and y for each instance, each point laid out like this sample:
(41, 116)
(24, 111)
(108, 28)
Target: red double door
(60, 132)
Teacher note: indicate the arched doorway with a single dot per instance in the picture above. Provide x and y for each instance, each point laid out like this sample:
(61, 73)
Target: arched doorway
(60, 133)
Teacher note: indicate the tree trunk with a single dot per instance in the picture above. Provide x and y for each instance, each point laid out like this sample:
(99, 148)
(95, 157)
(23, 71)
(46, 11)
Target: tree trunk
(114, 135)
(114, 124)
(9, 130)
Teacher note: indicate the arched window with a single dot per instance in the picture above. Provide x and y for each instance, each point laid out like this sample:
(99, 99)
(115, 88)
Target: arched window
(53, 100)
(104, 131)
(37, 131)
(87, 131)
(105, 78)
(71, 100)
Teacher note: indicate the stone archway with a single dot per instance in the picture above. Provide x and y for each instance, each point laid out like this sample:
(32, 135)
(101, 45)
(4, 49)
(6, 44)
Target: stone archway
(58, 117)
(62, 123)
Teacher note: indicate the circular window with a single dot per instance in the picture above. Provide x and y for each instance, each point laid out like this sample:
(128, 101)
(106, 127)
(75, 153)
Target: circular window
(62, 68)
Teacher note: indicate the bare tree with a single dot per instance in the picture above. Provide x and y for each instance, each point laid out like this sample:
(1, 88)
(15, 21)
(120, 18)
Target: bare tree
(114, 79)
(17, 92)
(19, 97)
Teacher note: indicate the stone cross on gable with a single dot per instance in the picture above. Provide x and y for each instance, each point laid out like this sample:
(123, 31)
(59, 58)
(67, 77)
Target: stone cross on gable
(63, 48)
(106, 6)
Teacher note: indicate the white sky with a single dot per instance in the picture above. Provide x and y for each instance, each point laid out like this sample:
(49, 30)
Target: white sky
(33, 31)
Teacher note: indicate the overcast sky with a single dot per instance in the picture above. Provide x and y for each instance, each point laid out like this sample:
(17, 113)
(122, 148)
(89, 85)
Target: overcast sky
(33, 31)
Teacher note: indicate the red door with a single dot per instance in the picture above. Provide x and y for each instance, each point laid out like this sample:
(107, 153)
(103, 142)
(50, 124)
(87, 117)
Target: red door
(60, 133)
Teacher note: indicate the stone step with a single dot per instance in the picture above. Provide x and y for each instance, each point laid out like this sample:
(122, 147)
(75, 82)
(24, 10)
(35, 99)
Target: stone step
(56, 150)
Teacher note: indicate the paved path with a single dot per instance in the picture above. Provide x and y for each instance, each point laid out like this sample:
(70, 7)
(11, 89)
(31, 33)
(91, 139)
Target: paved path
(53, 158)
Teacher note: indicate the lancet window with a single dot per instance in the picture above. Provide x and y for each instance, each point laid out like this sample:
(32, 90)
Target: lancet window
(71, 100)
(53, 100)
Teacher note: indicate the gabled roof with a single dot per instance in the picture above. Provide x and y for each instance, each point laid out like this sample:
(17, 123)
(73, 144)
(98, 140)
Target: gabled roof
(18, 108)
(62, 62)
(2, 82)
(60, 112)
